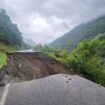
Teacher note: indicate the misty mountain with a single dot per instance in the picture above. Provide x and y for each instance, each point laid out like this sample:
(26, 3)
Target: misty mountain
(84, 31)
(30, 42)
(9, 32)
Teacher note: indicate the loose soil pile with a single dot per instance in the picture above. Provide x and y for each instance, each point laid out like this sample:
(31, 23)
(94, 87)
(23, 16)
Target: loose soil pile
(32, 65)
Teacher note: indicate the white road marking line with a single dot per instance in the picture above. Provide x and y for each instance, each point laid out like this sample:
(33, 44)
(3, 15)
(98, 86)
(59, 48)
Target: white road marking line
(3, 99)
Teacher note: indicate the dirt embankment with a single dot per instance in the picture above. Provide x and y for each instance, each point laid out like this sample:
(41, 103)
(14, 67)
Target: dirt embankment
(32, 65)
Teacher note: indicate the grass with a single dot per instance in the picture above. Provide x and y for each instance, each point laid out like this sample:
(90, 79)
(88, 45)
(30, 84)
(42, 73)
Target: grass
(3, 59)
(3, 50)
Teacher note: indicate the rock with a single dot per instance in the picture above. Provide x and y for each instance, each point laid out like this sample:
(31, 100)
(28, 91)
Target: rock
(1, 75)
(2, 82)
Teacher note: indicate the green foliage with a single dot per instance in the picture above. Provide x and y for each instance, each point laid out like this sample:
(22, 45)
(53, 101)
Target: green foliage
(57, 54)
(6, 48)
(89, 59)
(9, 33)
(3, 50)
(3, 58)
(101, 36)
(10, 37)
(38, 47)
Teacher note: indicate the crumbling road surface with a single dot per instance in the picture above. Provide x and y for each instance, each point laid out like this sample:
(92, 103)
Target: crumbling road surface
(58, 89)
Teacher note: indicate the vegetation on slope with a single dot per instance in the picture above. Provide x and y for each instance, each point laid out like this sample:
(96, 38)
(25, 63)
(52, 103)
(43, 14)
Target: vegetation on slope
(3, 50)
(57, 54)
(3, 58)
(9, 33)
(84, 31)
(10, 36)
(88, 58)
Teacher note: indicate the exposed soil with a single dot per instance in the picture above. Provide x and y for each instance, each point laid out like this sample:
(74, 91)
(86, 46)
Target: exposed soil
(32, 65)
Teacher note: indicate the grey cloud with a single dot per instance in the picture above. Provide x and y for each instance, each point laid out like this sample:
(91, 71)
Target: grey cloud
(45, 20)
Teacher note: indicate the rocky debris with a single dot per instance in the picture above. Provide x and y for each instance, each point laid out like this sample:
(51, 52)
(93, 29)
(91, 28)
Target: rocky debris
(32, 65)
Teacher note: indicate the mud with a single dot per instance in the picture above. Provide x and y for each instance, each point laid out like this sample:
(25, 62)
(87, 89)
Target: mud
(32, 65)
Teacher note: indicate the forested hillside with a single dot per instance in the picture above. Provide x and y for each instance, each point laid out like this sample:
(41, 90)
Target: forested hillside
(9, 33)
(81, 32)
(10, 37)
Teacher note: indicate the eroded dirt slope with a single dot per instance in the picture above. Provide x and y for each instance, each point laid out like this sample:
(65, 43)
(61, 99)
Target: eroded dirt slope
(31, 65)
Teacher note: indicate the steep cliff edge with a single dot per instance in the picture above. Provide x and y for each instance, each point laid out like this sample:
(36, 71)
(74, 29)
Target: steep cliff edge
(32, 65)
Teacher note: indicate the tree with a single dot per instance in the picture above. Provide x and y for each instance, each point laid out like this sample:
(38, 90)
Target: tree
(9, 33)
(38, 47)
(101, 36)
(89, 59)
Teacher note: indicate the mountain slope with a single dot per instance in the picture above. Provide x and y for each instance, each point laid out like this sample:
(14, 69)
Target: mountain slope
(30, 42)
(81, 32)
(9, 32)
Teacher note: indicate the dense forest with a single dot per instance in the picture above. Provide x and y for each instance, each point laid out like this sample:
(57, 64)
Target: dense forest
(88, 30)
(9, 32)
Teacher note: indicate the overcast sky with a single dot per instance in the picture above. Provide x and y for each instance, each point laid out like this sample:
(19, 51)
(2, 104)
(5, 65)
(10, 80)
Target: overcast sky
(45, 20)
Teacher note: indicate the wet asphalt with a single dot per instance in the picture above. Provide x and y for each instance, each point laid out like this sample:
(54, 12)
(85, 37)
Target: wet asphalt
(56, 90)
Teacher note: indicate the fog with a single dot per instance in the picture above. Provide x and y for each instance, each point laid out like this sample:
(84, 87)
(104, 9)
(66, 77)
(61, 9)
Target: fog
(45, 20)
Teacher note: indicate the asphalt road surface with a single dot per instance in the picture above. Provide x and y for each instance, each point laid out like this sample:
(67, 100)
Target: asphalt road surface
(55, 90)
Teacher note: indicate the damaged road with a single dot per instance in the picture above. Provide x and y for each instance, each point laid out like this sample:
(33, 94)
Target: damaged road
(32, 65)
(57, 89)
(50, 83)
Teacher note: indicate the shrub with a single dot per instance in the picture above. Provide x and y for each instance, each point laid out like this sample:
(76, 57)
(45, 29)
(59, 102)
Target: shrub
(89, 59)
